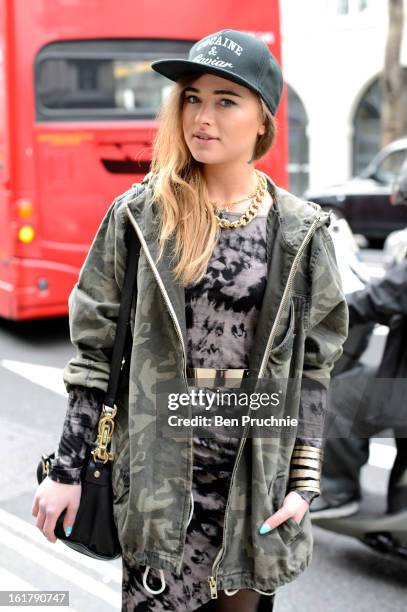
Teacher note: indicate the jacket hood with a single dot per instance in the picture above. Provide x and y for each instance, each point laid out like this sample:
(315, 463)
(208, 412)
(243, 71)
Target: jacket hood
(295, 215)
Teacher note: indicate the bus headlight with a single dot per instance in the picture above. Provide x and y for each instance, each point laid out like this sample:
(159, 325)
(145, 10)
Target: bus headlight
(26, 234)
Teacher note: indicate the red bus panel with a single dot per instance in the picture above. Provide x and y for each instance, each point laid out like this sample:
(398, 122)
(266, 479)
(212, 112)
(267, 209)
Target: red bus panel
(78, 101)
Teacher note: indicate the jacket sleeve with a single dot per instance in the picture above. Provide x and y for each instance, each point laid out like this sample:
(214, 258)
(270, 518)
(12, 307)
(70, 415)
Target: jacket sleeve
(327, 327)
(380, 300)
(94, 304)
(326, 332)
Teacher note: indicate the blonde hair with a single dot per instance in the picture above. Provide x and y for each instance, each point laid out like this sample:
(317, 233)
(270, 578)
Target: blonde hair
(180, 191)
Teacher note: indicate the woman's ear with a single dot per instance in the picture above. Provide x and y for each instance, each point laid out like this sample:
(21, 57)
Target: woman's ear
(262, 120)
(261, 130)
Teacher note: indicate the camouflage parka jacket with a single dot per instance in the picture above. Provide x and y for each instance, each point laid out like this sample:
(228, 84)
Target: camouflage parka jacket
(300, 330)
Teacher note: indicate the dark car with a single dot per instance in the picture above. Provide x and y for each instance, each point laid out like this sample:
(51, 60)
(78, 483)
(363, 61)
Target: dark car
(398, 196)
(395, 245)
(364, 200)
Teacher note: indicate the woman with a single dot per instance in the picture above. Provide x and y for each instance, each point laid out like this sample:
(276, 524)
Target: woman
(237, 281)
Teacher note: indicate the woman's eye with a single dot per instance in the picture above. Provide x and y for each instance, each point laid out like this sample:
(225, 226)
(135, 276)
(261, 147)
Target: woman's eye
(229, 102)
(188, 98)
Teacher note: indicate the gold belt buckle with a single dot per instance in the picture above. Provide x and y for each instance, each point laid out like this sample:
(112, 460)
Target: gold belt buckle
(213, 377)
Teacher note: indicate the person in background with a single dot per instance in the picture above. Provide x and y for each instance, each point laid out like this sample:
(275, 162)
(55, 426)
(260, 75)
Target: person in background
(364, 401)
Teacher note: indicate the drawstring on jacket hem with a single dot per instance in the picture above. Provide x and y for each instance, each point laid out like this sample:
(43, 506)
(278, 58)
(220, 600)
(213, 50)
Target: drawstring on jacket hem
(160, 590)
(252, 589)
(226, 591)
(148, 567)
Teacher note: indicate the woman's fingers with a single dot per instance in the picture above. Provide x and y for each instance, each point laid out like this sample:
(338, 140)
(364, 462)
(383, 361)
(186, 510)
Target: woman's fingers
(274, 520)
(69, 519)
(40, 517)
(298, 505)
(34, 509)
(50, 501)
(294, 507)
(49, 525)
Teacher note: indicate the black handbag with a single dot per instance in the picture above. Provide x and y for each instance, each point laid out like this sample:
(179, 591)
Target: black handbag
(94, 531)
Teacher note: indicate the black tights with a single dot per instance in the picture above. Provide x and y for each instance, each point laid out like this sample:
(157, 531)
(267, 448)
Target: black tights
(247, 600)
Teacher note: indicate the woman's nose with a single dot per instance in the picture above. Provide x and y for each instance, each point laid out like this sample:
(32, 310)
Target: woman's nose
(204, 114)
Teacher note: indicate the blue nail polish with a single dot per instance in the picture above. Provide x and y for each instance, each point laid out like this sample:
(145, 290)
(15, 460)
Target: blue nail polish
(68, 531)
(265, 528)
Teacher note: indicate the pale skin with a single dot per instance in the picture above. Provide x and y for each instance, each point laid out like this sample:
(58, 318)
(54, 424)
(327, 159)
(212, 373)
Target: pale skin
(51, 498)
(233, 120)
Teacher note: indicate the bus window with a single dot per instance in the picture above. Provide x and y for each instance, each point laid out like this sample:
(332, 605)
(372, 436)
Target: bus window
(102, 79)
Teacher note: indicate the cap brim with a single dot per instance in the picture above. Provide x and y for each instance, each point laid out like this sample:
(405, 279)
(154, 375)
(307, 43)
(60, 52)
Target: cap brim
(176, 69)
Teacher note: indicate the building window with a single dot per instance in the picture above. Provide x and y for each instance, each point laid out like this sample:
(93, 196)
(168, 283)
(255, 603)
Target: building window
(342, 7)
(367, 132)
(366, 128)
(346, 7)
(298, 146)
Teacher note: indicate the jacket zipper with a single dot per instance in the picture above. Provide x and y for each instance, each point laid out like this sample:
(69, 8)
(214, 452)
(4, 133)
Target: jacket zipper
(164, 292)
(165, 296)
(213, 579)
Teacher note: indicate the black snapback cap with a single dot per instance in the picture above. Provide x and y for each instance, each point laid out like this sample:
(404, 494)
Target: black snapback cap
(233, 55)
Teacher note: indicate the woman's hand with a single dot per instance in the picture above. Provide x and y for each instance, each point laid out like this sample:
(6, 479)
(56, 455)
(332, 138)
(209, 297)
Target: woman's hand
(51, 498)
(294, 506)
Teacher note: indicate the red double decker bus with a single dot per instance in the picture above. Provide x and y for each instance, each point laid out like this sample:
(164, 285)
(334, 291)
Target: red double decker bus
(78, 102)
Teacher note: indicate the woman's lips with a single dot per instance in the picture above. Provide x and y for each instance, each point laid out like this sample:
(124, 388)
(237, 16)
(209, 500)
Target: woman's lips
(203, 140)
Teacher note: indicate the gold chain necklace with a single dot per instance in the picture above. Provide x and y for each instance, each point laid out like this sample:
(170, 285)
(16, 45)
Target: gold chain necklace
(251, 211)
(226, 208)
